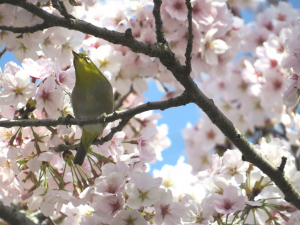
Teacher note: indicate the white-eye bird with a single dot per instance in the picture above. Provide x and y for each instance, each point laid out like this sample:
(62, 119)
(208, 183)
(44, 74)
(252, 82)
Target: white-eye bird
(92, 96)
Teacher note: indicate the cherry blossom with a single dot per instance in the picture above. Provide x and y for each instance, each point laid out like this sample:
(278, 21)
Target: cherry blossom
(143, 193)
(129, 217)
(230, 201)
(211, 47)
(48, 97)
(16, 89)
(168, 212)
(114, 185)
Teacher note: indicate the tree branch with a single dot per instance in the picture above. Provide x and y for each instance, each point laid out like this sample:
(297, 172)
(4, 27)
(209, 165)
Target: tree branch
(158, 22)
(62, 147)
(35, 28)
(62, 9)
(119, 103)
(189, 47)
(169, 60)
(2, 52)
(247, 149)
(157, 50)
(125, 114)
(13, 216)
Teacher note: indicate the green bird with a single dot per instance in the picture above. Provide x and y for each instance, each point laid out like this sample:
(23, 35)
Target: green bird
(92, 96)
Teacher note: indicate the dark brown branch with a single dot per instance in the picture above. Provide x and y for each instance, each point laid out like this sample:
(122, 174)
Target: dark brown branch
(189, 46)
(168, 59)
(282, 164)
(247, 149)
(2, 52)
(62, 147)
(158, 22)
(62, 9)
(122, 98)
(13, 216)
(125, 39)
(35, 28)
(113, 130)
(247, 209)
(125, 114)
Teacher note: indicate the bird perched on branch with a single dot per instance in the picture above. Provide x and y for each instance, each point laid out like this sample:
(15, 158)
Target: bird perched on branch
(92, 96)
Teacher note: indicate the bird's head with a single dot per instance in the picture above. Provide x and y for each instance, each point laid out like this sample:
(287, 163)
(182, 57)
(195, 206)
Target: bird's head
(85, 68)
(83, 62)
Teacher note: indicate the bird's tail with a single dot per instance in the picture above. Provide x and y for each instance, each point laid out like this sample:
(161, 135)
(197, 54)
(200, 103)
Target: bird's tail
(85, 143)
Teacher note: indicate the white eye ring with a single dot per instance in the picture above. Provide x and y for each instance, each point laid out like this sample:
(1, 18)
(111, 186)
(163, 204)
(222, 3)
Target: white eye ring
(88, 59)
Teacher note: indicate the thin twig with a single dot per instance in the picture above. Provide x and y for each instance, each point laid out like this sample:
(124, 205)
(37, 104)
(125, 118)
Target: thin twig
(158, 22)
(32, 29)
(108, 137)
(282, 164)
(2, 52)
(122, 99)
(168, 59)
(125, 114)
(189, 46)
(59, 5)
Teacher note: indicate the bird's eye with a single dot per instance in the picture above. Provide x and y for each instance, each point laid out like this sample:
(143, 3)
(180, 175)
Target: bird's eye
(87, 59)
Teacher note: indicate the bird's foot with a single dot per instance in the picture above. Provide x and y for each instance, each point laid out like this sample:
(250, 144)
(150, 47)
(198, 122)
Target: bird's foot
(68, 117)
(102, 117)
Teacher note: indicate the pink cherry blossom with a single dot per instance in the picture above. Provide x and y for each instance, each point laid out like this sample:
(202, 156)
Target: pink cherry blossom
(6, 173)
(16, 89)
(146, 151)
(230, 201)
(168, 212)
(196, 213)
(143, 193)
(108, 206)
(129, 217)
(234, 166)
(39, 69)
(66, 78)
(177, 9)
(292, 93)
(211, 47)
(48, 97)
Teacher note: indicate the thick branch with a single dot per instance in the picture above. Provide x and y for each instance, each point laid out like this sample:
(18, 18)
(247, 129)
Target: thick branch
(157, 50)
(168, 59)
(247, 149)
(13, 216)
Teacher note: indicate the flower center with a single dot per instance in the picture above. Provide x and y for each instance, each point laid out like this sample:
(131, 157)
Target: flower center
(227, 204)
(165, 209)
(130, 221)
(19, 90)
(143, 194)
(46, 95)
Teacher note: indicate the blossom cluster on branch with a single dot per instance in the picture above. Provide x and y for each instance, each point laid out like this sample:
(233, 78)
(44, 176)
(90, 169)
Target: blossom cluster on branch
(113, 185)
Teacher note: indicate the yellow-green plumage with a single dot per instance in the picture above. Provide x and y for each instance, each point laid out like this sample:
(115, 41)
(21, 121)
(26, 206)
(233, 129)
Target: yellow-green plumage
(91, 97)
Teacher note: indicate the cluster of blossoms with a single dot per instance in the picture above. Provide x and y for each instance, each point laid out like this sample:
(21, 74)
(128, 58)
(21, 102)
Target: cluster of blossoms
(113, 185)
(250, 91)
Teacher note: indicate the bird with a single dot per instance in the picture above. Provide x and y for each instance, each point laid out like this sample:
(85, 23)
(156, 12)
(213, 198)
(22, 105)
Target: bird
(92, 96)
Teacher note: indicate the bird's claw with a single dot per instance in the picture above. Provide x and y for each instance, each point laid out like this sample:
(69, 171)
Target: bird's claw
(102, 117)
(67, 119)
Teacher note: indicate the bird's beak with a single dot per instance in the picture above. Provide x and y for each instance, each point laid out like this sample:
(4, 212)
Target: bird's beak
(76, 56)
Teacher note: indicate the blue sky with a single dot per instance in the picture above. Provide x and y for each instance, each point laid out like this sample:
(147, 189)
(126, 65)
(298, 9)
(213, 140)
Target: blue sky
(175, 118)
